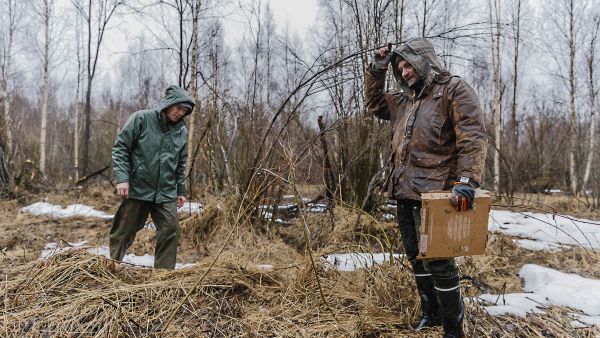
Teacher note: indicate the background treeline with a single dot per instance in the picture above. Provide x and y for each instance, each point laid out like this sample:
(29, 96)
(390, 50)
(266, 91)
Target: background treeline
(534, 64)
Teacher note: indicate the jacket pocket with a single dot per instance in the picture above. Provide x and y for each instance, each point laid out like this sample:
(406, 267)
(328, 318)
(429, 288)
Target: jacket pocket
(136, 166)
(430, 171)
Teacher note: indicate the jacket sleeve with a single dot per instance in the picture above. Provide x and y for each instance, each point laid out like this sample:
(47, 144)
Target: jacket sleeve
(123, 147)
(180, 171)
(469, 127)
(375, 96)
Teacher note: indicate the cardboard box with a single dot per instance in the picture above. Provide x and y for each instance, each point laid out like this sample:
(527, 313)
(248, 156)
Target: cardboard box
(445, 232)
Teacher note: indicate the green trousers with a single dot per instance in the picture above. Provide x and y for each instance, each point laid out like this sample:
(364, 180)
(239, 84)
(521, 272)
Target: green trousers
(131, 217)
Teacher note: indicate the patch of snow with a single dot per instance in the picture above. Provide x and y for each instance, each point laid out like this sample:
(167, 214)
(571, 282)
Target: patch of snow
(179, 266)
(356, 260)
(563, 289)
(537, 245)
(389, 217)
(191, 207)
(549, 287)
(52, 248)
(73, 210)
(535, 226)
(78, 244)
(389, 206)
(585, 321)
(44, 208)
(552, 191)
(267, 215)
(146, 260)
(518, 304)
(317, 207)
(264, 266)
(283, 222)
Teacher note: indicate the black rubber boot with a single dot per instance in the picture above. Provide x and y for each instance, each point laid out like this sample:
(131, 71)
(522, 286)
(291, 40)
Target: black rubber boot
(451, 304)
(430, 311)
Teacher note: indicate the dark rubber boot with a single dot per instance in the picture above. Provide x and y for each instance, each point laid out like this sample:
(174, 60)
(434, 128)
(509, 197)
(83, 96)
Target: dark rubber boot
(451, 303)
(430, 311)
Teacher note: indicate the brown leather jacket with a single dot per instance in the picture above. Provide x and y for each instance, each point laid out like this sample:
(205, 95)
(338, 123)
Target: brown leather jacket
(438, 134)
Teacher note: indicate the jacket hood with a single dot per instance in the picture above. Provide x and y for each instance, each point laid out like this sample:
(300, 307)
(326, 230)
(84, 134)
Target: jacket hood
(421, 55)
(174, 95)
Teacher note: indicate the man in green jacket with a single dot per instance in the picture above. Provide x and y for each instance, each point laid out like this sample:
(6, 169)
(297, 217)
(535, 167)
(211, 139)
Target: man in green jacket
(149, 157)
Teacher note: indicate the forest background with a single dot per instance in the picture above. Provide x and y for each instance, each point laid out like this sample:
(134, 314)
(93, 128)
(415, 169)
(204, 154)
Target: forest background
(65, 93)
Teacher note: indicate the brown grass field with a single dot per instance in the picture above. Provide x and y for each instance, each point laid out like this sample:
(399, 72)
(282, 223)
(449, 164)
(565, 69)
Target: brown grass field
(226, 294)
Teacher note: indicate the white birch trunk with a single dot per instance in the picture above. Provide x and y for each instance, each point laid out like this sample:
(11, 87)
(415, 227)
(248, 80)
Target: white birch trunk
(572, 112)
(590, 159)
(44, 108)
(77, 101)
(497, 120)
(192, 121)
(593, 93)
(6, 63)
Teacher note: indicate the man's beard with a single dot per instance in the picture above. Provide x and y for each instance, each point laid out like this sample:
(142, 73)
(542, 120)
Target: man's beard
(417, 85)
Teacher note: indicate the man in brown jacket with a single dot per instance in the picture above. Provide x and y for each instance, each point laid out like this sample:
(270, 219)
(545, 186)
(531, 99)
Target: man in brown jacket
(438, 142)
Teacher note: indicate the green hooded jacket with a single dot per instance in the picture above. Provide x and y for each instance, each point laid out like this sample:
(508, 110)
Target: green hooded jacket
(150, 153)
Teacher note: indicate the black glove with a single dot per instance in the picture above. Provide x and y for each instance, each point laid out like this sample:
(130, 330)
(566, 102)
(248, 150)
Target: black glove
(382, 58)
(462, 197)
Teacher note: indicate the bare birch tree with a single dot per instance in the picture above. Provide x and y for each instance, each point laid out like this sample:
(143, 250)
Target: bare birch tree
(96, 14)
(192, 121)
(10, 15)
(77, 104)
(572, 45)
(513, 138)
(46, 14)
(496, 32)
(591, 64)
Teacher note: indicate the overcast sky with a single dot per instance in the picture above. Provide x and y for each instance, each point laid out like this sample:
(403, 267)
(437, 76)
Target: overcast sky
(299, 16)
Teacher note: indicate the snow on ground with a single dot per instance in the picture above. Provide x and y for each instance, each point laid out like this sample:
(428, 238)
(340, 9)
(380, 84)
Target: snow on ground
(546, 287)
(537, 245)
(356, 260)
(564, 289)
(53, 210)
(389, 217)
(317, 208)
(264, 266)
(191, 207)
(44, 208)
(546, 229)
(52, 249)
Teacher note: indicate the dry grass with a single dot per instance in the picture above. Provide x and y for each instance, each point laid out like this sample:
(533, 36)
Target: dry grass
(558, 202)
(76, 294)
